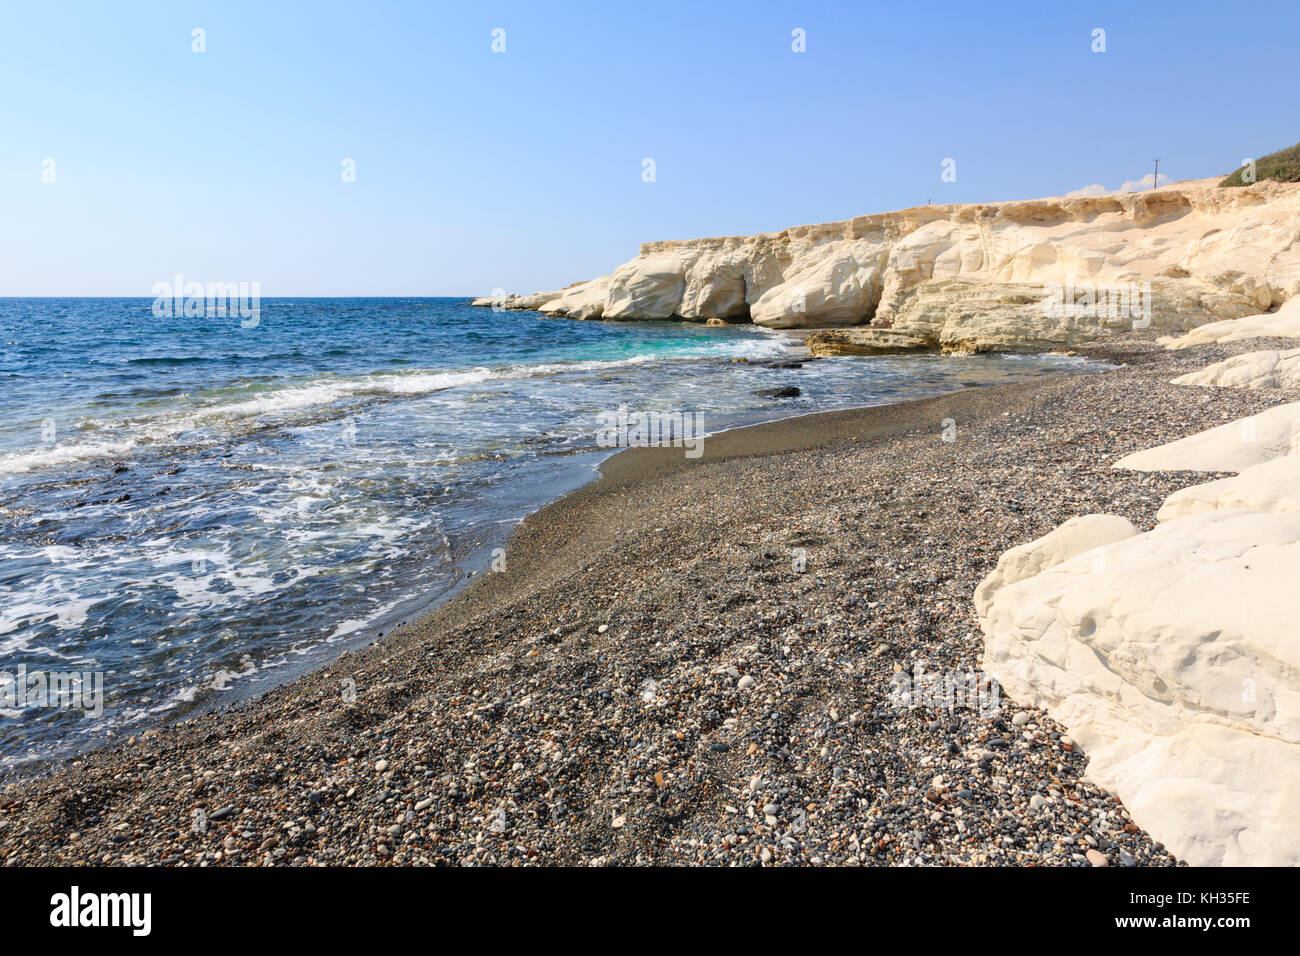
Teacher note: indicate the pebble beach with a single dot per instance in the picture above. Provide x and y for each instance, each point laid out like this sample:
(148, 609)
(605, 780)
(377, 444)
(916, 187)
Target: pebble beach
(690, 661)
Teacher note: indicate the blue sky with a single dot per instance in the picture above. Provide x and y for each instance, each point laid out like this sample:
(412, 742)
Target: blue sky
(522, 170)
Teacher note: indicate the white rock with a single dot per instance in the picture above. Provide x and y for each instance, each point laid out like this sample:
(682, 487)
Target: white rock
(1266, 369)
(1272, 486)
(1235, 446)
(1284, 323)
(584, 301)
(512, 301)
(831, 284)
(973, 277)
(1175, 666)
(648, 288)
(1078, 535)
(716, 288)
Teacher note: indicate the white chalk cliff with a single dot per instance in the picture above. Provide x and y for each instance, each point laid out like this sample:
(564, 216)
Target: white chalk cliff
(1171, 656)
(974, 277)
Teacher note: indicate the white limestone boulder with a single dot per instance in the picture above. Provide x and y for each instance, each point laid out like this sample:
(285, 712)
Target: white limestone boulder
(1272, 486)
(715, 288)
(1078, 535)
(584, 301)
(1271, 368)
(646, 289)
(829, 284)
(1235, 446)
(1172, 659)
(1284, 323)
(514, 301)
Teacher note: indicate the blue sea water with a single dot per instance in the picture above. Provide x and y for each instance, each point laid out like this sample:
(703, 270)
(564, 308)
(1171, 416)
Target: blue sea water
(198, 509)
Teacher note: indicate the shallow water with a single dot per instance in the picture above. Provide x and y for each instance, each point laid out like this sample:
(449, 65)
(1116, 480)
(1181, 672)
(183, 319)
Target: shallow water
(196, 509)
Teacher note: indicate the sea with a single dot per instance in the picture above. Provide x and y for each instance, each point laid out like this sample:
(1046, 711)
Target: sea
(196, 508)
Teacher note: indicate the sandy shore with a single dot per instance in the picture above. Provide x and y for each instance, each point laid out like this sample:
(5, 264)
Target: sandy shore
(688, 661)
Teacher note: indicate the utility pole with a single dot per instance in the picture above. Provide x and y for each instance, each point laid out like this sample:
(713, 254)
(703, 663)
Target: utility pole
(1155, 180)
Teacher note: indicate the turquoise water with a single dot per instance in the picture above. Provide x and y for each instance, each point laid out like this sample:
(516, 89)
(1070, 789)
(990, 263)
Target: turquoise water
(198, 509)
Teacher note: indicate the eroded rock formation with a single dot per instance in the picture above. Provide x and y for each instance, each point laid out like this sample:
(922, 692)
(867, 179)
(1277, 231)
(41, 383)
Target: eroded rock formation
(980, 276)
(1283, 323)
(1234, 446)
(1271, 368)
(1170, 655)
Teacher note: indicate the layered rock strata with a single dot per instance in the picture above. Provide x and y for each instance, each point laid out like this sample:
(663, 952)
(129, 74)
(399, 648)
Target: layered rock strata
(1032, 274)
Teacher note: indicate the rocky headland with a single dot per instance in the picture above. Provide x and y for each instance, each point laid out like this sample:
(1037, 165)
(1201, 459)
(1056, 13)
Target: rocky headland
(1030, 274)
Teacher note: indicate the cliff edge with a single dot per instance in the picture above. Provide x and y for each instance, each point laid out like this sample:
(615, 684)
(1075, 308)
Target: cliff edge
(1030, 274)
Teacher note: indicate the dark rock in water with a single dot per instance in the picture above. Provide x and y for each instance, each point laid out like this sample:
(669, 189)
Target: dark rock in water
(788, 364)
(785, 391)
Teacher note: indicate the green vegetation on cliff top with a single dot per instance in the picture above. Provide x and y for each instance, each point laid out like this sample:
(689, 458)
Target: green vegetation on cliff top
(1282, 166)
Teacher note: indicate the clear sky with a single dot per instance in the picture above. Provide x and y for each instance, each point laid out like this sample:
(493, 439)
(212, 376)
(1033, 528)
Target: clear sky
(523, 169)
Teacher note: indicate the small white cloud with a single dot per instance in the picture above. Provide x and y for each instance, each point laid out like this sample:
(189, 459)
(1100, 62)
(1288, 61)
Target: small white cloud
(1132, 186)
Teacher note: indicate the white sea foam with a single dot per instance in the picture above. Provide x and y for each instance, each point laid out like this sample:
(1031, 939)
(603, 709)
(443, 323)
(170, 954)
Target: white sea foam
(18, 462)
(330, 391)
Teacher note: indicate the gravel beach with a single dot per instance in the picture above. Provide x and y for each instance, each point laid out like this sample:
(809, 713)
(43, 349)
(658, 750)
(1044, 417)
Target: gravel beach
(690, 661)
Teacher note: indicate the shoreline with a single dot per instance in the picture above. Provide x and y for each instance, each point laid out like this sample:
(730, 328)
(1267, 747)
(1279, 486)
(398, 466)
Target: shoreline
(652, 551)
(471, 545)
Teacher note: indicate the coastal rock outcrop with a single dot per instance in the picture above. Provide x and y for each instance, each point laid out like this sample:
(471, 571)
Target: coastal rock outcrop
(516, 302)
(648, 288)
(863, 341)
(1271, 368)
(1271, 486)
(1283, 323)
(1076, 536)
(1169, 657)
(1033, 274)
(583, 301)
(1235, 446)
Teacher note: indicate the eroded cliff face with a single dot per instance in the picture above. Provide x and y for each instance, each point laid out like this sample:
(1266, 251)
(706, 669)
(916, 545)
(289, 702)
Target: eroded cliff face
(976, 277)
